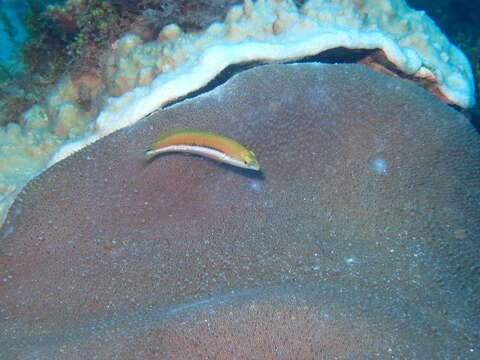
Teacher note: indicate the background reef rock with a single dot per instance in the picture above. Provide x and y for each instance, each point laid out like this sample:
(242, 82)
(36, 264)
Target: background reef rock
(359, 239)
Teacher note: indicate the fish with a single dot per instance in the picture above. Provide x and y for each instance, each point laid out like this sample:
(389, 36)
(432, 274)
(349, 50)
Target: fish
(204, 143)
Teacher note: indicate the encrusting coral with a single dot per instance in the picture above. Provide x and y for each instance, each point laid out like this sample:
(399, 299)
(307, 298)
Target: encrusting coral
(75, 34)
(458, 20)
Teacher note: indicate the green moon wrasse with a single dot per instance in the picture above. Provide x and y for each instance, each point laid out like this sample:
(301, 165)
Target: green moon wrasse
(205, 143)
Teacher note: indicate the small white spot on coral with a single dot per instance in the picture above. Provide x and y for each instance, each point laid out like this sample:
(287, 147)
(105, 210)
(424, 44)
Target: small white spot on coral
(352, 260)
(256, 186)
(379, 165)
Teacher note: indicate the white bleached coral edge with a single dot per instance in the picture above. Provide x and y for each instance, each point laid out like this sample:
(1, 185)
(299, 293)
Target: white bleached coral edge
(275, 31)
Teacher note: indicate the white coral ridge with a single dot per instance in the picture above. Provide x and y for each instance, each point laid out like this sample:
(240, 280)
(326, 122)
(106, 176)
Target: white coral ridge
(276, 31)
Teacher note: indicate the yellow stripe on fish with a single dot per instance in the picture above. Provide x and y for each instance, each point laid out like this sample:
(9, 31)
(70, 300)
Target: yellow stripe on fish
(205, 143)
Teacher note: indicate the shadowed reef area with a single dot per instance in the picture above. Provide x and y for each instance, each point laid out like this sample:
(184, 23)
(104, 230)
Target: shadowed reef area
(358, 240)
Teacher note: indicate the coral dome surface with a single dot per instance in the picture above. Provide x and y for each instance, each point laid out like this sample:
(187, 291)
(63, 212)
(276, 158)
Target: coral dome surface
(359, 238)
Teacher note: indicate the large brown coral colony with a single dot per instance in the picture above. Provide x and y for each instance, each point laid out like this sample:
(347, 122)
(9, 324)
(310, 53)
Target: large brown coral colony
(360, 238)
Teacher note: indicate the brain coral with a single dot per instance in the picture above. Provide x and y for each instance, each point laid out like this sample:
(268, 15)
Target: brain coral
(359, 239)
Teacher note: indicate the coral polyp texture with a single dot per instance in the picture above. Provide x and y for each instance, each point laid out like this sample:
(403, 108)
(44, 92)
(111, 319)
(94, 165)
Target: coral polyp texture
(139, 76)
(358, 240)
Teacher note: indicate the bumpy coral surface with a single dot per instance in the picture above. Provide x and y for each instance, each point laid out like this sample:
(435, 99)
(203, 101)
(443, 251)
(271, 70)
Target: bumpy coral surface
(359, 239)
